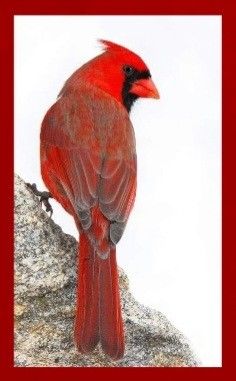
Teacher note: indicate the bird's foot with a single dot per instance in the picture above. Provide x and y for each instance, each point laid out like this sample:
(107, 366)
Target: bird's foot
(44, 197)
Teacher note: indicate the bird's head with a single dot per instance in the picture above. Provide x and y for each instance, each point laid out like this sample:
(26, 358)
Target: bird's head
(121, 73)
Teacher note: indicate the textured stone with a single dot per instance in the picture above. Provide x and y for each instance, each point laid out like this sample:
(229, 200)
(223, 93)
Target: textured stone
(45, 299)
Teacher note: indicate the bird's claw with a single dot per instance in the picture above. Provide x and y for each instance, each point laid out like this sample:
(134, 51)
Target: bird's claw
(44, 198)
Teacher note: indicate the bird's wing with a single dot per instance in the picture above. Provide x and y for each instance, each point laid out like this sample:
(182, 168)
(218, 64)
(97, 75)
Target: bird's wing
(88, 157)
(117, 193)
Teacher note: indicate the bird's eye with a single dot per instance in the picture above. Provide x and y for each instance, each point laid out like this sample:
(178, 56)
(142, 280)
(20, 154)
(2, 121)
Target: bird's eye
(128, 70)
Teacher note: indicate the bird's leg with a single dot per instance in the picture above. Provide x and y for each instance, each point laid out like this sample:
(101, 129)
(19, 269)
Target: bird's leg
(44, 197)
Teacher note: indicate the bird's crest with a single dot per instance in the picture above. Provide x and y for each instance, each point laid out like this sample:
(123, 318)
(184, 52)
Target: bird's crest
(123, 52)
(109, 45)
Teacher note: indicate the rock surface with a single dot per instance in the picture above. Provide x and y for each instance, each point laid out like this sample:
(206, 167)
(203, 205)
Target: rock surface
(45, 300)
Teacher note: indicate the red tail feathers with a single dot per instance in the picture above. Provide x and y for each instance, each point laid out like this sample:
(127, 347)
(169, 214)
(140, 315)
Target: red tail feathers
(98, 314)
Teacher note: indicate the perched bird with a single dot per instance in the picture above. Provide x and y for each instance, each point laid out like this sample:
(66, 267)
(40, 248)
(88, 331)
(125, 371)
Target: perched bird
(88, 163)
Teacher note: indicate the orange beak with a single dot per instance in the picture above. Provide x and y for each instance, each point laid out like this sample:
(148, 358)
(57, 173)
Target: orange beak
(145, 88)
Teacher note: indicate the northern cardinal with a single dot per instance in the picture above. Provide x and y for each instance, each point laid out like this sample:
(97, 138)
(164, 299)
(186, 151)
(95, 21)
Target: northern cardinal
(88, 163)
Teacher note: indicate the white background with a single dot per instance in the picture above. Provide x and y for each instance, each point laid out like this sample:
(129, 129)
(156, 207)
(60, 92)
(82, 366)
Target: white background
(171, 249)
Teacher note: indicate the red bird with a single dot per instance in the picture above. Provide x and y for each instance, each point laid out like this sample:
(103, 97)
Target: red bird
(88, 163)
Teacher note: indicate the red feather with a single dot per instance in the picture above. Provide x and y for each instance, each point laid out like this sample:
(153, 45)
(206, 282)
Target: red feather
(124, 54)
(88, 162)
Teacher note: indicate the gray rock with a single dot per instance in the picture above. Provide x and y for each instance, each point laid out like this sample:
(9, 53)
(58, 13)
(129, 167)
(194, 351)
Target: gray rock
(45, 302)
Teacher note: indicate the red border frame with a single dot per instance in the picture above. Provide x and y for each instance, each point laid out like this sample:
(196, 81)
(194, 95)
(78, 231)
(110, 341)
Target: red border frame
(104, 7)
